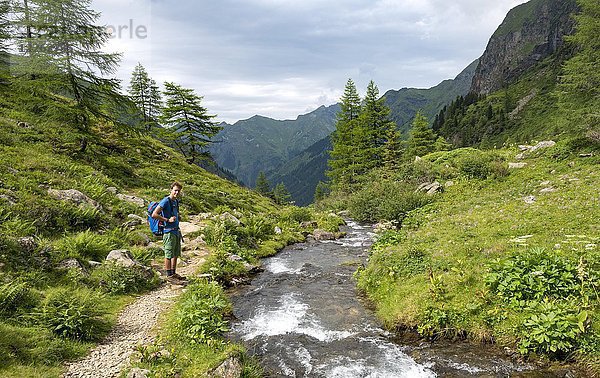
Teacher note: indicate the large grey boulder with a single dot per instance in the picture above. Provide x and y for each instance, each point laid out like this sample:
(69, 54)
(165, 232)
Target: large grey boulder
(229, 218)
(140, 202)
(430, 187)
(74, 196)
(72, 263)
(319, 234)
(124, 258)
(230, 368)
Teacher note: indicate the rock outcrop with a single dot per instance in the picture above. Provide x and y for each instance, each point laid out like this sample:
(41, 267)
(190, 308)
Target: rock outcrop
(529, 33)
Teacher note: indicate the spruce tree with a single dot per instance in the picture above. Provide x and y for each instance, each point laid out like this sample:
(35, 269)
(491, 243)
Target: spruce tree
(441, 144)
(321, 191)
(342, 157)
(262, 185)
(61, 60)
(392, 149)
(421, 138)
(281, 194)
(372, 132)
(190, 122)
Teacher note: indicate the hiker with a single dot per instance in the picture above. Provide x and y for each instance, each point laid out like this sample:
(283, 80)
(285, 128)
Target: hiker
(169, 207)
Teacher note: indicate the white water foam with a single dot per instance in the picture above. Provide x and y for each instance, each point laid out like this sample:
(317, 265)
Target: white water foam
(304, 357)
(393, 365)
(290, 317)
(277, 265)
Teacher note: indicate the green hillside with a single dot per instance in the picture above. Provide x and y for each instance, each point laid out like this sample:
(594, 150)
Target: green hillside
(262, 144)
(301, 174)
(497, 240)
(405, 103)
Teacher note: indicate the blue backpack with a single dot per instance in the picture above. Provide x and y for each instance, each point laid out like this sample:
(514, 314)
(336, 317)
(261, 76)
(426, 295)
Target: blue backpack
(156, 226)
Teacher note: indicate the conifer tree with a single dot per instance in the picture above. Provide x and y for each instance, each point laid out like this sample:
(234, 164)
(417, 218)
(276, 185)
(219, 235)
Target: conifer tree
(262, 185)
(421, 138)
(145, 94)
(441, 144)
(374, 127)
(155, 101)
(62, 61)
(4, 40)
(189, 120)
(281, 194)
(342, 157)
(321, 191)
(392, 149)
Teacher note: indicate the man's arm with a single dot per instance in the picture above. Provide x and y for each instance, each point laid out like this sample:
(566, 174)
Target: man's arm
(156, 215)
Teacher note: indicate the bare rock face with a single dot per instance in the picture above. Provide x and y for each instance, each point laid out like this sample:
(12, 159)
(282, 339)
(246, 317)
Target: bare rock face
(529, 33)
(74, 196)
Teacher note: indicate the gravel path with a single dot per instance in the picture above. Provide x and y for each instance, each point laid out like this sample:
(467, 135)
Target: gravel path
(135, 325)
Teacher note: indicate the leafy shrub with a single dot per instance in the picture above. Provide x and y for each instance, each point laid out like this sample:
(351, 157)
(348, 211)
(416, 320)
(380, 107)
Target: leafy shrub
(145, 255)
(257, 227)
(329, 222)
(200, 313)
(386, 239)
(218, 232)
(439, 322)
(14, 296)
(222, 268)
(533, 275)
(551, 327)
(86, 244)
(117, 279)
(296, 214)
(481, 165)
(385, 200)
(74, 314)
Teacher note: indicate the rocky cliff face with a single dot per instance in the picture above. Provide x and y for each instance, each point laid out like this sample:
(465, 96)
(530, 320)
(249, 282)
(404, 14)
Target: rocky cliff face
(529, 33)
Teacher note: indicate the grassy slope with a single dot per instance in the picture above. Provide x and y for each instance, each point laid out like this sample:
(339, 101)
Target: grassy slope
(46, 155)
(474, 222)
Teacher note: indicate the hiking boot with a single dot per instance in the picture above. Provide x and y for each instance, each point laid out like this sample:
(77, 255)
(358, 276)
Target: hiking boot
(182, 278)
(174, 280)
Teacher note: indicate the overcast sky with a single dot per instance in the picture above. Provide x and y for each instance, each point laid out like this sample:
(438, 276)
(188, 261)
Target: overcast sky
(283, 58)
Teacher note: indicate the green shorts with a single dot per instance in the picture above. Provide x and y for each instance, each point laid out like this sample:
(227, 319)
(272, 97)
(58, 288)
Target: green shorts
(172, 244)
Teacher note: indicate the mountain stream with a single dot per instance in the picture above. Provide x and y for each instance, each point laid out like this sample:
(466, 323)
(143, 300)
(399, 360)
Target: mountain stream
(303, 317)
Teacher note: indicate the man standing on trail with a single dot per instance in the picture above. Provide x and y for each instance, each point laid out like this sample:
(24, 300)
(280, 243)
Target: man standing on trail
(168, 212)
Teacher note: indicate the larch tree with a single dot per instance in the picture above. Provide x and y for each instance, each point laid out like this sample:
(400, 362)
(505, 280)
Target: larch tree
(4, 41)
(145, 94)
(61, 60)
(190, 122)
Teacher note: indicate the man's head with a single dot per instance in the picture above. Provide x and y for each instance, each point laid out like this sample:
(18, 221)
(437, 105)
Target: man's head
(175, 189)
